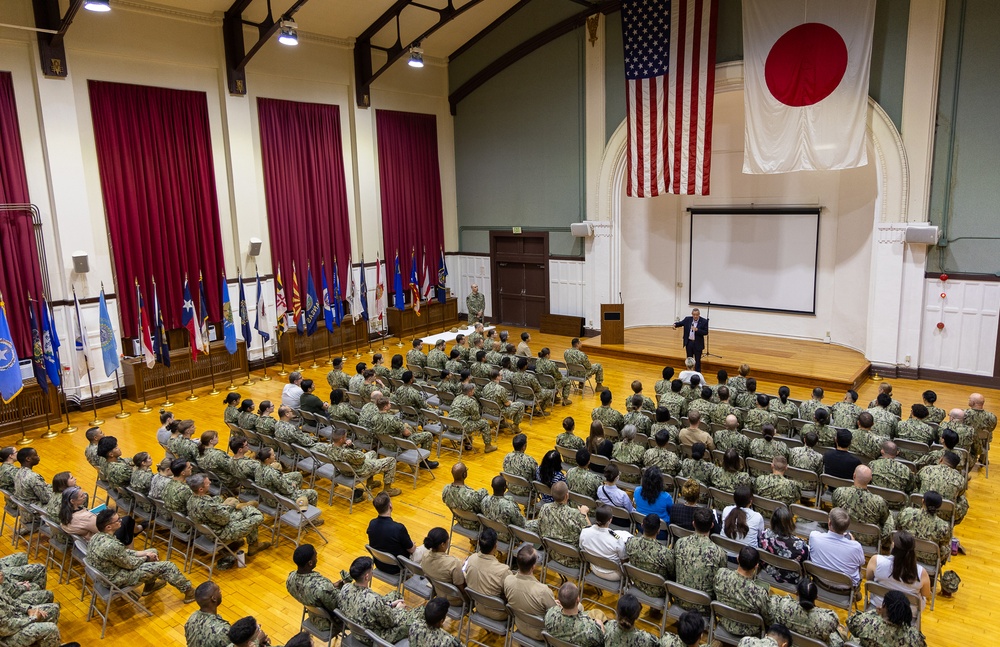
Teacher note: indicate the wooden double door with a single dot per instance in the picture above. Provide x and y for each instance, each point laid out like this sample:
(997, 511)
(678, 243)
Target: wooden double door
(520, 277)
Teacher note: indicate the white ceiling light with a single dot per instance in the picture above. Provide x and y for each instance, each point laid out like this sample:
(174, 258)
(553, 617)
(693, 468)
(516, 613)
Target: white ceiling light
(416, 56)
(289, 34)
(99, 6)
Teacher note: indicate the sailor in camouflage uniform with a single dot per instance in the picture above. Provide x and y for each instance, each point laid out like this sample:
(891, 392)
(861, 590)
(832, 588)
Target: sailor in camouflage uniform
(703, 405)
(475, 305)
(428, 631)
(313, 589)
(567, 438)
(950, 441)
(663, 422)
(246, 419)
(520, 464)
(126, 567)
(845, 413)
(271, 478)
(698, 467)
(643, 551)
(499, 508)
(180, 444)
(8, 469)
(731, 475)
(415, 356)
(23, 624)
(808, 408)
(574, 355)
(629, 451)
(205, 627)
(231, 414)
(741, 590)
(460, 496)
(117, 471)
(864, 441)
(915, 429)
(563, 522)
(816, 623)
(231, 521)
(265, 422)
(697, 558)
(674, 401)
(340, 408)
(511, 411)
(821, 426)
(218, 461)
(888, 472)
(29, 486)
(924, 523)
(777, 636)
(543, 397)
(731, 438)
(545, 366)
(894, 406)
(887, 627)
(777, 486)
(636, 418)
(581, 479)
(660, 456)
(94, 435)
(337, 378)
(493, 354)
(569, 622)
(176, 493)
(885, 421)
(287, 431)
(354, 384)
(864, 506)
(384, 614)
(437, 357)
(465, 409)
(366, 464)
(759, 415)
(945, 479)
(607, 416)
(806, 457)
(387, 423)
(982, 421)
(408, 394)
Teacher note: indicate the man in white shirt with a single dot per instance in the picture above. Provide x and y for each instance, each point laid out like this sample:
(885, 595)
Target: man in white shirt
(600, 540)
(292, 393)
(836, 549)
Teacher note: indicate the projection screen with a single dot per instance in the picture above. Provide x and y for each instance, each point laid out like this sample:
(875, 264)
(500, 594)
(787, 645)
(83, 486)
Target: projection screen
(757, 259)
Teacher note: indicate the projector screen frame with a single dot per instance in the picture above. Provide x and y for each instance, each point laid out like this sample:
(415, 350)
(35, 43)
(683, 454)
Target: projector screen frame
(746, 211)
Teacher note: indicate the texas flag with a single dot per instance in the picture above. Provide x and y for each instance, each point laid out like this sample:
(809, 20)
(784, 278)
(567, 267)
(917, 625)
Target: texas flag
(806, 68)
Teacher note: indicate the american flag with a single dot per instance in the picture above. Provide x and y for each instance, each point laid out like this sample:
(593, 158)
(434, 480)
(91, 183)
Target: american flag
(670, 89)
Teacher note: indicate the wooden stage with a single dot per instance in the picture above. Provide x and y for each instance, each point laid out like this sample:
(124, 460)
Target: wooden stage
(795, 362)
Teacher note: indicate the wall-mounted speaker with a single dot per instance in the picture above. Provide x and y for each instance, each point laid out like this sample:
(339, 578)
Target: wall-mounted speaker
(581, 229)
(255, 247)
(922, 234)
(81, 262)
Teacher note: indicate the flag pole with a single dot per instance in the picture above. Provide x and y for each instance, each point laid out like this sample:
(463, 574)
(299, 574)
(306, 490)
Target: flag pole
(232, 387)
(145, 408)
(211, 371)
(166, 395)
(96, 422)
(263, 356)
(24, 440)
(357, 353)
(122, 414)
(192, 397)
(48, 426)
(65, 405)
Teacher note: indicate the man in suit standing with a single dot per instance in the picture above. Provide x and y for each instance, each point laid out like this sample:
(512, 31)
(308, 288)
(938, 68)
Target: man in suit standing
(695, 329)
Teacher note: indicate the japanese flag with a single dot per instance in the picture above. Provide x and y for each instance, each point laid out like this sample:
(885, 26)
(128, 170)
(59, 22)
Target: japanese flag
(806, 67)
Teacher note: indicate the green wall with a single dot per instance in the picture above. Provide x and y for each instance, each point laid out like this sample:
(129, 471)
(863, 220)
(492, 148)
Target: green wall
(965, 190)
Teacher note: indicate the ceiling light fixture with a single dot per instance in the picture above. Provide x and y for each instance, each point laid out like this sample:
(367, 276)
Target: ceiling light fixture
(416, 56)
(289, 34)
(100, 6)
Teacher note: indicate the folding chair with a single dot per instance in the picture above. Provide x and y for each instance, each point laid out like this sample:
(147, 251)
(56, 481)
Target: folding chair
(492, 414)
(765, 506)
(541, 490)
(308, 625)
(835, 589)
(378, 641)
(452, 431)
(526, 396)
(677, 532)
(526, 622)
(614, 587)
(346, 476)
(501, 530)
(417, 582)
(432, 421)
(879, 590)
(59, 544)
(323, 469)
(632, 472)
(830, 483)
(927, 546)
(678, 593)
(354, 635)
(578, 375)
(101, 587)
(445, 398)
(9, 508)
(457, 528)
(481, 601)
(731, 546)
(863, 530)
(207, 541)
(178, 523)
(301, 520)
(720, 610)
(568, 457)
(790, 566)
(808, 480)
(552, 641)
(409, 415)
(808, 520)
(524, 500)
(521, 536)
(798, 640)
(636, 574)
(380, 556)
(554, 548)
(450, 591)
(411, 455)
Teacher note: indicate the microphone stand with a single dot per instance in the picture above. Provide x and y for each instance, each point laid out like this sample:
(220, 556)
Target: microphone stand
(708, 318)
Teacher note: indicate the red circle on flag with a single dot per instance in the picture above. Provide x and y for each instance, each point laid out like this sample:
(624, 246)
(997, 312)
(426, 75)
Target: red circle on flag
(806, 64)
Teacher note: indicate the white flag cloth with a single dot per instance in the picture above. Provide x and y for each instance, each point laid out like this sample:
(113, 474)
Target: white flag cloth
(354, 297)
(82, 342)
(806, 67)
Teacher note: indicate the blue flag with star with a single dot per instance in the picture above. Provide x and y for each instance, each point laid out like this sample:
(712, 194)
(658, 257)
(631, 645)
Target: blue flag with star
(109, 345)
(11, 383)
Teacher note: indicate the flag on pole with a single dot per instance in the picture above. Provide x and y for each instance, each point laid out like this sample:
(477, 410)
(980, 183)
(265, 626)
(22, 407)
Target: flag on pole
(414, 282)
(426, 282)
(312, 302)
(670, 94)
(280, 305)
(109, 343)
(81, 343)
(352, 296)
(364, 291)
(806, 68)
(399, 301)
(297, 301)
(145, 337)
(228, 327)
(50, 345)
(206, 344)
(189, 319)
(338, 296)
(327, 307)
(244, 314)
(442, 278)
(379, 293)
(37, 353)
(263, 323)
(161, 346)
(11, 382)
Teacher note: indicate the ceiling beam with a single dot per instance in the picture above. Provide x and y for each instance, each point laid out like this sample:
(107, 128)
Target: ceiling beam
(520, 51)
(237, 55)
(52, 52)
(486, 30)
(364, 66)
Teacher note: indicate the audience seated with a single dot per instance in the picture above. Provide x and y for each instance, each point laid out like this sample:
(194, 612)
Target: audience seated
(666, 460)
(524, 593)
(562, 522)
(205, 627)
(899, 570)
(622, 632)
(780, 539)
(439, 566)
(840, 462)
(386, 615)
(458, 495)
(804, 617)
(697, 558)
(429, 631)
(610, 494)
(741, 590)
(740, 522)
(582, 479)
(835, 549)
(570, 622)
(388, 535)
(501, 509)
(602, 541)
(484, 573)
(311, 588)
(888, 625)
(645, 552)
(230, 519)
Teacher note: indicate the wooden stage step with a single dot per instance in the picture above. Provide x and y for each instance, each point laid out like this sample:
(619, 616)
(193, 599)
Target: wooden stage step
(797, 362)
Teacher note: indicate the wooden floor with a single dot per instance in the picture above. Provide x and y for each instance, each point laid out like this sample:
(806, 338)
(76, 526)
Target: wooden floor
(799, 362)
(970, 618)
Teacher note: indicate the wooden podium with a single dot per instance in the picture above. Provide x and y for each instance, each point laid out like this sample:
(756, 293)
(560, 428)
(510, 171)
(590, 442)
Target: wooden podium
(612, 323)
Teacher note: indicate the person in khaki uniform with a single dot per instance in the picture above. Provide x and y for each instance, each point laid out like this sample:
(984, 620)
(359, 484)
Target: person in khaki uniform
(524, 593)
(439, 566)
(484, 573)
(694, 434)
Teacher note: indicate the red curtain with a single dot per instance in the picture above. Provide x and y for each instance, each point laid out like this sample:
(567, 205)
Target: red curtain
(305, 190)
(154, 152)
(410, 181)
(19, 267)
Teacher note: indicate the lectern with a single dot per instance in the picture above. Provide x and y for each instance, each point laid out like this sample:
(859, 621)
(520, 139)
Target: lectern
(612, 323)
